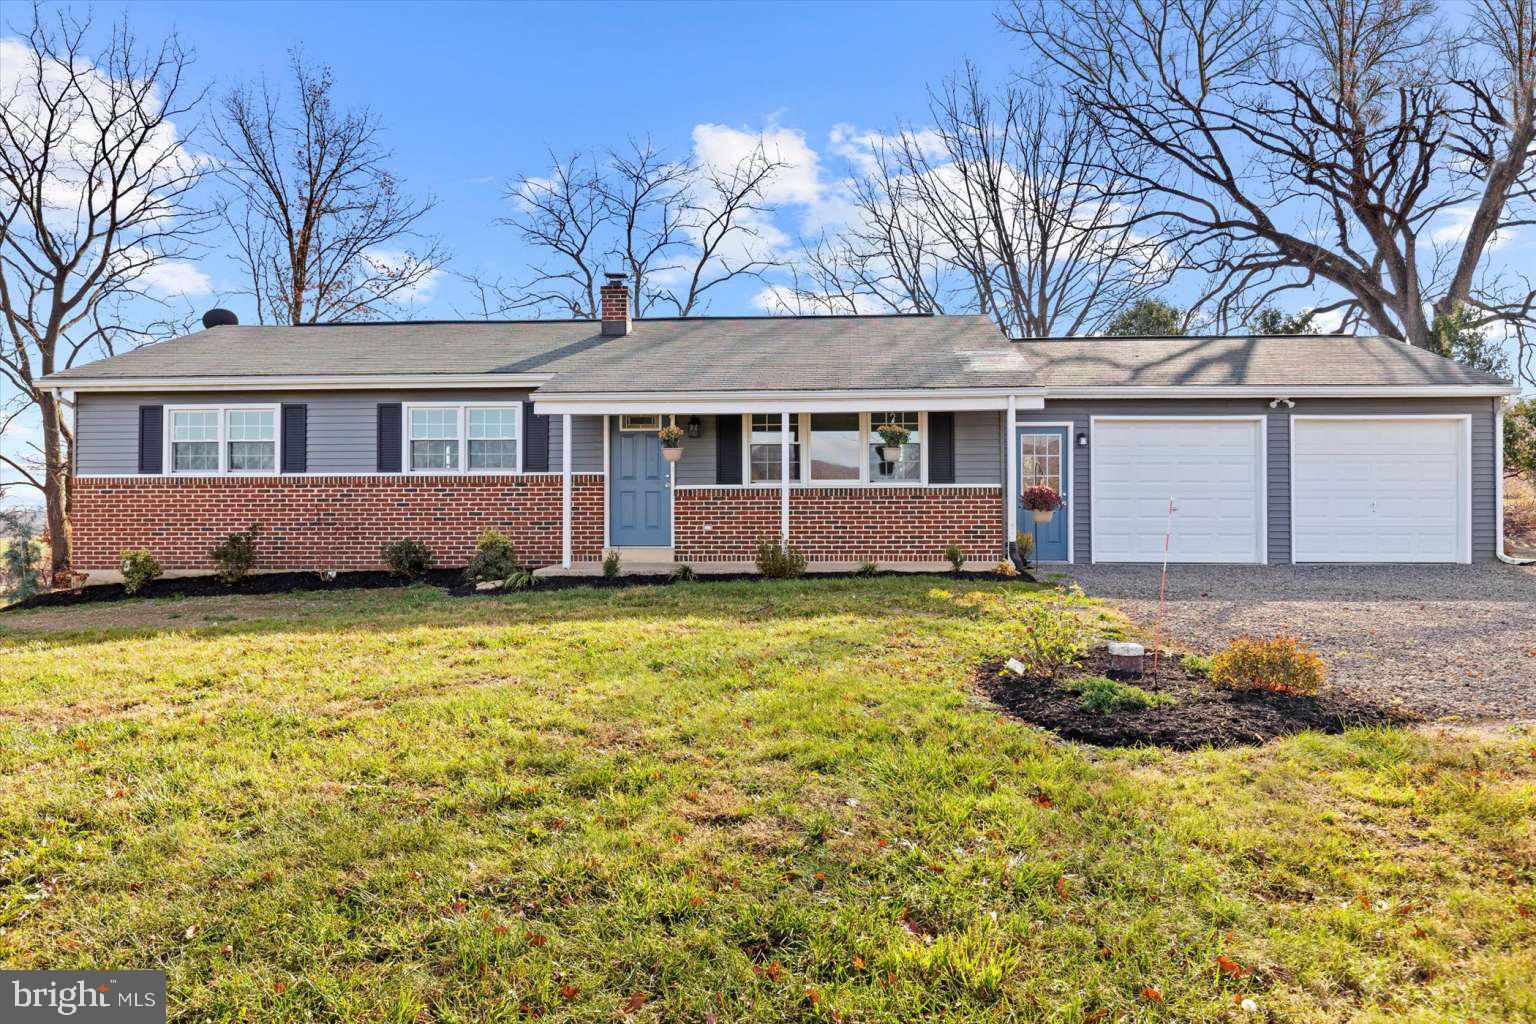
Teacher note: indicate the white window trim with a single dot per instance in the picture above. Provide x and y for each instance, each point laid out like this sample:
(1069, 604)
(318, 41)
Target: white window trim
(866, 432)
(462, 419)
(168, 461)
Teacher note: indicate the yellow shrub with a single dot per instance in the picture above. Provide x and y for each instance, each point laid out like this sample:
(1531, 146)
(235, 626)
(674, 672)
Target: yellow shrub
(1281, 664)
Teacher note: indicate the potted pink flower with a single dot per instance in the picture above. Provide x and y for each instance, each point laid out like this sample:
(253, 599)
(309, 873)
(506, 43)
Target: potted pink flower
(1042, 502)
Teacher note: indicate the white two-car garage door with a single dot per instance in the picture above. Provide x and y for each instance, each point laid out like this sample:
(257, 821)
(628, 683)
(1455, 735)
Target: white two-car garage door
(1380, 490)
(1212, 469)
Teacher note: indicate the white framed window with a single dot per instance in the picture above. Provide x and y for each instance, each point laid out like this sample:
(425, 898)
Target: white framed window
(632, 422)
(222, 439)
(841, 448)
(478, 437)
(763, 454)
(909, 468)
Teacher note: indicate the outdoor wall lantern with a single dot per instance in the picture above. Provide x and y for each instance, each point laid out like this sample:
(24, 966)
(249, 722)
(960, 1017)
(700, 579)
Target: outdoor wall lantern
(1082, 440)
(695, 426)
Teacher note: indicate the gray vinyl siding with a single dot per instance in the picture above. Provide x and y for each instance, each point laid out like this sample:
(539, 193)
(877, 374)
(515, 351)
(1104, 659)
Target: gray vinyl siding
(978, 447)
(1278, 453)
(342, 426)
(697, 466)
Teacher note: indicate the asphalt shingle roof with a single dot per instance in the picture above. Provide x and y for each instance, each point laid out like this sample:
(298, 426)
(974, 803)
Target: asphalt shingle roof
(779, 354)
(1301, 361)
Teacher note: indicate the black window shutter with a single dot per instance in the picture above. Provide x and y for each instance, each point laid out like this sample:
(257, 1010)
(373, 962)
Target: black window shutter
(295, 439)
(389, 437)
(727, 449)
(535, 441)
(152, 439)
(941, 447)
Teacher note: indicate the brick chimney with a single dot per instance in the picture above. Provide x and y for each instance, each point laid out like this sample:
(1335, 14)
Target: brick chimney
(615, 301)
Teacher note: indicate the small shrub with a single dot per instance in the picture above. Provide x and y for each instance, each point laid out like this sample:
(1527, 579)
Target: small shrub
(779, 561)
(867, 568)
(138, 567)
(684, 574)
(1280, 664)
(1025, 545)
(520, 578)
(956, 556)
(495, 558)
(1051, 638)
(610, 565)
(1104, 696)
(1197, 665)
(408, 558)
(235, 555)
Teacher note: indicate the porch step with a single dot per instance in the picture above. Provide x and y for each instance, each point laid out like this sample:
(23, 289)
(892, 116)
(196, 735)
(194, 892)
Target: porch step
(639, 555)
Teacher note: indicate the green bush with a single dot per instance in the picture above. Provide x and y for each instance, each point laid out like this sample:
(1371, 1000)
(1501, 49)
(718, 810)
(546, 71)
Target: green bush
(138, 567)
(1279, 664)
(684, 574)
(1197, 665)
(779, 561)
(1050, 638)
(408, 558)
(611, 564)
(20, 557)
(867, 569)
(495, 559)
(520, 579)
(235, 555)
(1104, 696)
(956, 556)
(1025, 543)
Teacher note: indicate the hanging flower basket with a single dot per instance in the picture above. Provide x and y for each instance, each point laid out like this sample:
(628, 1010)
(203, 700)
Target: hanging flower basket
(894, 435)
(671, 442)
(890, 452)
(1042, 502)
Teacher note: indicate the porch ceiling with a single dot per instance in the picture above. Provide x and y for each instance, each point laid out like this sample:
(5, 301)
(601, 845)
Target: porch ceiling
(951, 400)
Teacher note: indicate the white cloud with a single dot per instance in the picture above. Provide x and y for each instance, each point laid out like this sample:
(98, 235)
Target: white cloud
(395, 261)
(1453, 224)
(177, 277)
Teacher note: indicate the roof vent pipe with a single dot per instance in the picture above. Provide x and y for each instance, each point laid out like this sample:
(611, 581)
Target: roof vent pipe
(218, 317)
(615, 303)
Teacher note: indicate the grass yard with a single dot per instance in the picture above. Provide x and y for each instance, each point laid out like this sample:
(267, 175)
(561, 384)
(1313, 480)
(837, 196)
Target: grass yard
(714, 802)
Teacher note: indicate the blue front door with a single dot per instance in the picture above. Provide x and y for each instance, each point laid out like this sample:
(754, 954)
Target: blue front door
(639, 484)
(1042, 453)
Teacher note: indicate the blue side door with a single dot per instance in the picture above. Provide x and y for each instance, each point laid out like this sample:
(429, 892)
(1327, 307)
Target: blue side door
(1041, 454)
(639, 499)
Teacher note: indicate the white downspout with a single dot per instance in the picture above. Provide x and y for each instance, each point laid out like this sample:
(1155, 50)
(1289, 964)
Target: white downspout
(1498, 490)
(1011, 473)
(784, 478)
(565, 491)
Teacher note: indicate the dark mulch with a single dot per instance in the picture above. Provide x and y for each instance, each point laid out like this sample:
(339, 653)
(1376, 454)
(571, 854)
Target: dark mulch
(1204, 716)
(450, 580)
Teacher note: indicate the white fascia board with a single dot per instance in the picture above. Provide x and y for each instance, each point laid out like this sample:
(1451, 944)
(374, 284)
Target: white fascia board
(1279, 391)
(927, 400)
(329, 382)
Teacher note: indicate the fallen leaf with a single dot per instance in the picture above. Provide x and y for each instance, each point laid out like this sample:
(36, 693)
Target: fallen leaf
(774, 971)
(536, 940)
(279, 987)
(499, 930)
(1231, 968)
(696, 900)
(812, 996)
(858, 962)
(1046, 802)
(1061, 887)
(1151, 994)
(191, 930)
(634, 1002)
(1096, 1016)
(568, 992)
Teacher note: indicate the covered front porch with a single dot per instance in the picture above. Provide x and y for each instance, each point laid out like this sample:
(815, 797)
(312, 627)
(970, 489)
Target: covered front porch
(811, 470)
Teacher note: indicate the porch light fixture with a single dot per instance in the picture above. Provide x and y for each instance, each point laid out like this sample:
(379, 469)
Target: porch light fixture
(1082, 439)
(695, 426)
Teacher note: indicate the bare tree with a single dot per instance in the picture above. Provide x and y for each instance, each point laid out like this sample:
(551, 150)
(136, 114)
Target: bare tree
(1339, 143)
(992, 209)
(95, 185)
(322, 227)
(679, 228)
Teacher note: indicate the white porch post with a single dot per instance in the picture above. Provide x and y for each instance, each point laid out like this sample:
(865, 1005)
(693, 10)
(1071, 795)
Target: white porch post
(1011, 473)
(565, 490)
(784, 477)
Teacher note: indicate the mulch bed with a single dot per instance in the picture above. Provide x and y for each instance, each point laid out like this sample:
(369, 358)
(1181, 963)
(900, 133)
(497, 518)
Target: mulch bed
(1204, 715)
(450, 580)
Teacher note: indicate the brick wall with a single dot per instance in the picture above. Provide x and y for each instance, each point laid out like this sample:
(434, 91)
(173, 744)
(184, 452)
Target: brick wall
(330, 522)
(841, 524)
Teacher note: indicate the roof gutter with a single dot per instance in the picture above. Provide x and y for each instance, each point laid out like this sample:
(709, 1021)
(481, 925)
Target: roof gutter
(718, 402)
(1285, 391)
(298, 382)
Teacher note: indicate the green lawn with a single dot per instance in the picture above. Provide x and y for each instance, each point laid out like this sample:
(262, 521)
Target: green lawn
(754, 801)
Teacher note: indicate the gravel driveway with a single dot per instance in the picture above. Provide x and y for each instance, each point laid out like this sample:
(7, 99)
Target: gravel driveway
(1448, 641)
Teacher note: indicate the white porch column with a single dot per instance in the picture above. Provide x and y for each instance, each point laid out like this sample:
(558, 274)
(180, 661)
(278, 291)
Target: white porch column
(784, 477)
(1011, 472)
(565, 490)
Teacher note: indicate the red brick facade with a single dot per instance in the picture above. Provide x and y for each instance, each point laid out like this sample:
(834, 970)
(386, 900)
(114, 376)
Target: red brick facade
(330, 522)
(840, 524)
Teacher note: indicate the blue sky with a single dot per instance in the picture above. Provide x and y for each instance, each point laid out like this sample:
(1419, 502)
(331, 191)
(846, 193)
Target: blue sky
(473, 94)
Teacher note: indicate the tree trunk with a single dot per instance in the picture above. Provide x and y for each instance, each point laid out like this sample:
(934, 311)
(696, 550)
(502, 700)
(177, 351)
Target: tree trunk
(55, 485)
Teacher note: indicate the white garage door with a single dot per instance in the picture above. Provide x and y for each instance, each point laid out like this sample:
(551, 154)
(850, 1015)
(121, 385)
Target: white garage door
(1213, 469)
(1379, 490)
